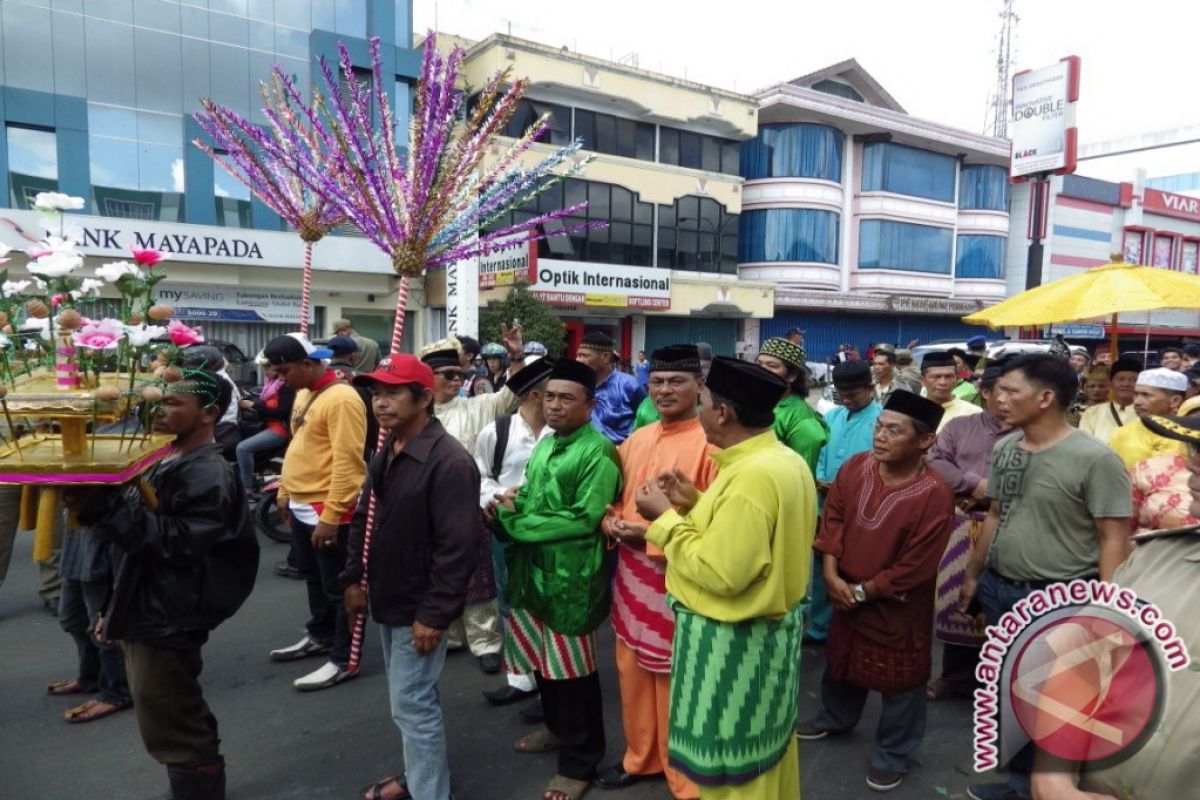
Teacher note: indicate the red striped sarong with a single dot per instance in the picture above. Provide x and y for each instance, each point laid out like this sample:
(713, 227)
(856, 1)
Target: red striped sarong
(530, 646)
(640, 615)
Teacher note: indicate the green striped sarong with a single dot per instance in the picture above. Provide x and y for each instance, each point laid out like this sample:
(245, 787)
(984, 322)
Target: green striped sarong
(733, 695)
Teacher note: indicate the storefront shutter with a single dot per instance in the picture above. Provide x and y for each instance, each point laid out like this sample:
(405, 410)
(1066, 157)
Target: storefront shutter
(722, 334)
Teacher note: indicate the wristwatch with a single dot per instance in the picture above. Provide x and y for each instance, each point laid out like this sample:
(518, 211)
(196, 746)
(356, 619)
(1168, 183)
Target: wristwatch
(860, 594)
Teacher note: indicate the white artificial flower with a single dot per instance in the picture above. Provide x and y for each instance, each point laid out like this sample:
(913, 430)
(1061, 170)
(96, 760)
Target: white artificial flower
(34, 325)
(4, 342)
(56, 264)
(10, 288)
(33, 345)
(142, 335)
(57, 201)
(89, 287)
(4, 249)
(54, 244)
(39, 284)
(115, 270)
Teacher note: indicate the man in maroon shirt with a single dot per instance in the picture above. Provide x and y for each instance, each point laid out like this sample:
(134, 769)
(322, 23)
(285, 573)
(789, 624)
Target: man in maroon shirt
(885, 525)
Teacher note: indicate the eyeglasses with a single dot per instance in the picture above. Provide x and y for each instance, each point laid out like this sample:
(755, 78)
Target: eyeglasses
(450, 375)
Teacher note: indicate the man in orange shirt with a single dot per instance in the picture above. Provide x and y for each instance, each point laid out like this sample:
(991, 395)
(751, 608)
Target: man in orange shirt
(643, 623)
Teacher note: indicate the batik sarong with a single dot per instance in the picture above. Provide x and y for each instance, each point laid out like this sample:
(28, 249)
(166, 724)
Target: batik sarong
(949, 624)
(733, 695)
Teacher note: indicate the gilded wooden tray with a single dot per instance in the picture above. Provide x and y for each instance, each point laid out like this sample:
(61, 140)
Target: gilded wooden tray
(113, 460)
(37, 395)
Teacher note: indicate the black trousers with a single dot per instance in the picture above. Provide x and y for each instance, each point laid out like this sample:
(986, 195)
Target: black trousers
(176, 724)
(575, 714)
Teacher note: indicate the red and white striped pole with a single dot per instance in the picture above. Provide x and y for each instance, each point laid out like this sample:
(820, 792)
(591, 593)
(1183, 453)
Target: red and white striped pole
(360, 621)
(306, 288)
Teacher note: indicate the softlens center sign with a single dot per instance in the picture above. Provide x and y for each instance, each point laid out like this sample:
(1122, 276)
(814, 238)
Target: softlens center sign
(1043, 132)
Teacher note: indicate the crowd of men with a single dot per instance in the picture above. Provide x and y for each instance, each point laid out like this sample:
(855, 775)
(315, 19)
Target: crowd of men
(702, 505)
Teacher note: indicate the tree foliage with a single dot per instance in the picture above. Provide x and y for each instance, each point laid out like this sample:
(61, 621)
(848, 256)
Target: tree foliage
(538, 321)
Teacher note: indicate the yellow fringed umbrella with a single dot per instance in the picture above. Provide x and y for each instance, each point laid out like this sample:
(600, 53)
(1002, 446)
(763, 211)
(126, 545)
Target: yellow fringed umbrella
(1102, 291)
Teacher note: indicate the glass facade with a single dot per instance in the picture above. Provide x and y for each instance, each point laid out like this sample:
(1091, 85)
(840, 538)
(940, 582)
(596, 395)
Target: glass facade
(695, 233)
(983, 187)
(979, 257)
(138, 68)
(799, 150)
(888, 167)
(32, 164)
(885, 244)
(789, 234)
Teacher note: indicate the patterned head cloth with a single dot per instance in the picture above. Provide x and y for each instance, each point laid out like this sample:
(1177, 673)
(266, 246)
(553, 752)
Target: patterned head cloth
(442, 353)
(788, 352)
(597, 341)
(1181, 429)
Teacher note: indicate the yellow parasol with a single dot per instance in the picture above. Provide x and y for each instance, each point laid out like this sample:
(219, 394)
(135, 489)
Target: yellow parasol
(1110, 289)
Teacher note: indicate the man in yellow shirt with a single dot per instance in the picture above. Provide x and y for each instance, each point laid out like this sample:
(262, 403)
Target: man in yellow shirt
(1103, 420)
(1159, 392)
(939, 373)
(323, 473)
(738, 561)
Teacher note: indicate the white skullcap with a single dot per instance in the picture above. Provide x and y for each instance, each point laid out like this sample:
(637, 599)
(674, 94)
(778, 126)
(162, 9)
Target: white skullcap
(1163, 378)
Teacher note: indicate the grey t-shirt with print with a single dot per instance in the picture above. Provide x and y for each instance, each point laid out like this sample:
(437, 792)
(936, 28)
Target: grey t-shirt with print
(1049, 502)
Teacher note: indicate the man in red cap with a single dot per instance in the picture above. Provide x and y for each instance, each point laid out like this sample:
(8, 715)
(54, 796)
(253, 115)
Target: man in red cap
(422, 553)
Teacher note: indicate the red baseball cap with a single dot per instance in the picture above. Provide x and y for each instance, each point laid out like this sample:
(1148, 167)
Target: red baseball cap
(397, 370)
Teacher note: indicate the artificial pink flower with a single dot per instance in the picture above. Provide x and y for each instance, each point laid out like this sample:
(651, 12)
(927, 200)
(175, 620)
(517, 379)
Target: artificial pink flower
(103, 334)
(145, 258)
(56, 301)
(182, 335)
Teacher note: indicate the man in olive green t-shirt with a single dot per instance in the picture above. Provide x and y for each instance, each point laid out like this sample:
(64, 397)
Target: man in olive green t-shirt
(1061, 503)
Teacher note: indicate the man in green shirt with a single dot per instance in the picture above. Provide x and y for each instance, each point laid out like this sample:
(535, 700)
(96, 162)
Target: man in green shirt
(558, 576)
(797, 425)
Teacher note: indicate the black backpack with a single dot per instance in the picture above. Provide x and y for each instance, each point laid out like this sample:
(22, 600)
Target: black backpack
(503, 426)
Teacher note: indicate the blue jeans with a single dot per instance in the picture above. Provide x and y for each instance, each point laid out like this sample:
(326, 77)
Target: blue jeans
(328, 623)
(417, 711)
(997, 598)
(901, 721)
(101, 666)
(265, 441)
(820, 610)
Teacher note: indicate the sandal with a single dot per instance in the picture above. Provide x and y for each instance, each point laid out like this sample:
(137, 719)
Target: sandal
(375, 790)
(93, 710)
(542, 741)
(66, 686)
(562, 788)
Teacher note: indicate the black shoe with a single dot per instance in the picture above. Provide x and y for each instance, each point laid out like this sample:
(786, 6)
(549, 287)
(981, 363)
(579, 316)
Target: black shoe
(809, 732)
(615, 777)
(490, 663)
(285, 570)
(507, 694)
(883, 780)
(198, 781)
(532, 713)
(51, 606)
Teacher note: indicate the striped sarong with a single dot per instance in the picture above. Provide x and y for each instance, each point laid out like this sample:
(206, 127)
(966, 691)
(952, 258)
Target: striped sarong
(529, 646)
(949, 624)
(640, 616)
(733, 695)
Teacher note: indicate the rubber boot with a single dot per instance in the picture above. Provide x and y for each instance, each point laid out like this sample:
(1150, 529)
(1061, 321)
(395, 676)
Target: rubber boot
(197, 781)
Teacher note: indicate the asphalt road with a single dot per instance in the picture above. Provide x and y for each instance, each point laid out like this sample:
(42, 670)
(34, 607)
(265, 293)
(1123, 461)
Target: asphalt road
(282, 744)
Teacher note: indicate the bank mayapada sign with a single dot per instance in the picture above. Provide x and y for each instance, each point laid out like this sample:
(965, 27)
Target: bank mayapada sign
(1044, 137)
(571, 284)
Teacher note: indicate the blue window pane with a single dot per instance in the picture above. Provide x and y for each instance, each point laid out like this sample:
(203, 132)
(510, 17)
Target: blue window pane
(980, 257)
(883, 244)
(799, 150)
(983, 187)
(788, 234)
(119, 123)
(33, 152)
(32, 165)
(227, 186)
(160, 169)
(159, 128)
(114, 162)
(895, 168)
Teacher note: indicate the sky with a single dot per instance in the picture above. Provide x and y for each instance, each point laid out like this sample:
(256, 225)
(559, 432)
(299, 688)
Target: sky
(936, 57)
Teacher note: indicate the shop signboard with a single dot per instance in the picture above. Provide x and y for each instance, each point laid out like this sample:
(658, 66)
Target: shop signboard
(1044, 138)
(229, 304)
(506, 267)
(1169, 204)
(578, 283)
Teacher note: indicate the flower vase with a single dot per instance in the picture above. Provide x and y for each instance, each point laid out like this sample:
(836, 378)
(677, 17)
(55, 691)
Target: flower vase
(66, 364)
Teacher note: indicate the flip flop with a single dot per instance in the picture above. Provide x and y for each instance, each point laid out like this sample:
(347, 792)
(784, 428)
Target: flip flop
(66, 686)
(375, 790)
(92, 710)
(571, 788)
(542, 741)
